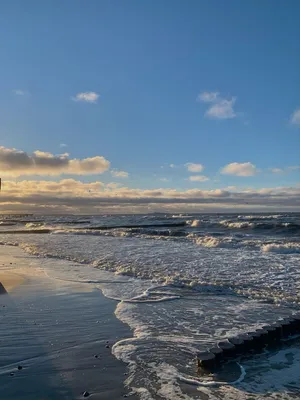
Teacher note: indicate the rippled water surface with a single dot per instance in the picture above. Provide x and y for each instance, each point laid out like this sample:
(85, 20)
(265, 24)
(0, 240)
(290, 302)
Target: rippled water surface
(183, 282)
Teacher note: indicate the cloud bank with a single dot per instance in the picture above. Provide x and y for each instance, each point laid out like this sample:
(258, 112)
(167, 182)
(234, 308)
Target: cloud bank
(70, 195)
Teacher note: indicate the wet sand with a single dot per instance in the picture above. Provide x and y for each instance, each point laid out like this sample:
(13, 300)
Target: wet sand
(59, 335)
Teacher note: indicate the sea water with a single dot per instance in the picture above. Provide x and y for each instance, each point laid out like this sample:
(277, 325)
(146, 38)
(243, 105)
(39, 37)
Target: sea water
(182, 282)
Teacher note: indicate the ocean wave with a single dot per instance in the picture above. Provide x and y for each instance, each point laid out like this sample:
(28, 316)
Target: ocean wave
(26, 231)
(208, 241)
(135, 233)
(139, 226)
(164, 264)
(227, 242)
(159, 232)
(34, 224)
(87, 232)
(230, 242)
(182, 216)
(286, 248)
(277, 226)
(237, 225)
(257, 217)
(24, 222)
(120, 230)
(194, 223)
(72, 222)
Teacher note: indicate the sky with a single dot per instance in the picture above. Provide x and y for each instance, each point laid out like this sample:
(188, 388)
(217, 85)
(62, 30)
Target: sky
(143, 106)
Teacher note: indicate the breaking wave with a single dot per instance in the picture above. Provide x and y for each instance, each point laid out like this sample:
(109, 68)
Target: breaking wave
(194, 223)
(277, 226)
(287, 248)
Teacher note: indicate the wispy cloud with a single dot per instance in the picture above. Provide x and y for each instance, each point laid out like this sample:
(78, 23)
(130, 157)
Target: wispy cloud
(208, 97)
(284, 170)
(198, 178)
(220, 107)
(20, 92)
(17, 163)
(63, 145)
(295, 117)
(240, 169)
(192, 167)
(276, 170)
(168, 166)
(119, 174)
(87, 97)
(164, 179)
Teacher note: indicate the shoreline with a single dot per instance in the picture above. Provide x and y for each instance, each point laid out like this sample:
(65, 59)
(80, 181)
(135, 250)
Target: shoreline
(59, 333)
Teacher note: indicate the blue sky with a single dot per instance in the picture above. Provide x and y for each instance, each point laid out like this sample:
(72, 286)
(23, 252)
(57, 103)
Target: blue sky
(150, 63)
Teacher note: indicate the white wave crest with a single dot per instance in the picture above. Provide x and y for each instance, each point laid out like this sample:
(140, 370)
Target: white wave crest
(287, 248)
(208, 241)
(236, 225)
(275, 216)
(181, 216)
(193, 223)
(33, 225)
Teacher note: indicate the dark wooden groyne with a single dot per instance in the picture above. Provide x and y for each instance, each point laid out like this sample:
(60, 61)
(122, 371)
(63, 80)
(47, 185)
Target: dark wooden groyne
(249, 343)
(2, 289)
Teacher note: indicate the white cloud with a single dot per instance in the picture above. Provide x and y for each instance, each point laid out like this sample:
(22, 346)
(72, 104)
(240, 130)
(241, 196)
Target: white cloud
(284, 170)
(164, 179)
(295, 117)
(88, 97)
(276, 170)
(119, 174)
(293, 168)
(192, 167)
(63, 145)
(113, 185)
(208, 97)
(198, 178)
(172, 165)
(220, 108)
(19, 92)
(239, 169)
(16, 163)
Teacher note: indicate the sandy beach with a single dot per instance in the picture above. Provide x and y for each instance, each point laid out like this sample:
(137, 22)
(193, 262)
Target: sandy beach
(55, 338)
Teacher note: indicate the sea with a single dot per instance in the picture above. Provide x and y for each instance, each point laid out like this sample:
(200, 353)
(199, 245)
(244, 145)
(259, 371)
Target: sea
(182, 283)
